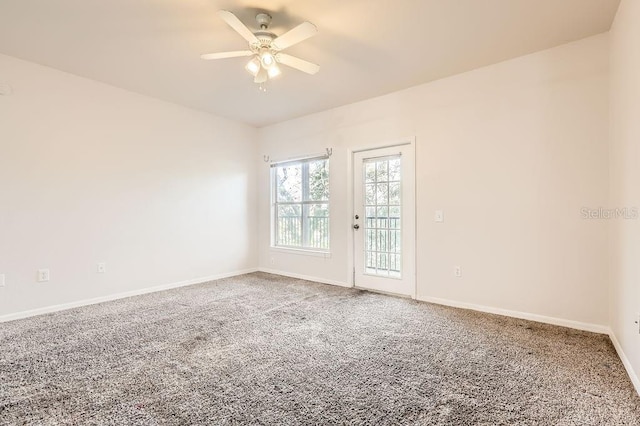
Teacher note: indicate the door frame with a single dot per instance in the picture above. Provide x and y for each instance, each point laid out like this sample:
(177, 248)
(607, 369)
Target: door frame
(411, 141)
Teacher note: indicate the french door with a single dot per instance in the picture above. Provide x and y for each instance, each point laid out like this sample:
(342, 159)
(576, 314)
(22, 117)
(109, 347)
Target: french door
(383, 219)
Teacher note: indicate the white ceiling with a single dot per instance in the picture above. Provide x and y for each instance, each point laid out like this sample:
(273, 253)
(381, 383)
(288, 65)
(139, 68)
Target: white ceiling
(365, 48)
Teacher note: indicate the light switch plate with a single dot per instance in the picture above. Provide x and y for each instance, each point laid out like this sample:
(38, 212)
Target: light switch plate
(2, 283)
(439, 216)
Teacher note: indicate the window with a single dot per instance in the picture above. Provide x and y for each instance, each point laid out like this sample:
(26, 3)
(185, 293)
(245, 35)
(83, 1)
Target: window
(300, 194)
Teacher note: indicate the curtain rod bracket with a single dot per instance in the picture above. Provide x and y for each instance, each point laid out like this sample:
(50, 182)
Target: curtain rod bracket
(266, 158)
(329, 151)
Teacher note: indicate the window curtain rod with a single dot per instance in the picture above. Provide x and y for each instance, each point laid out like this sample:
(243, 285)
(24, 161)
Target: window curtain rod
(328, 152)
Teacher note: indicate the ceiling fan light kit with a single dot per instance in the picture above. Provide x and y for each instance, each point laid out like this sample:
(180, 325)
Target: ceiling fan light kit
(265, 48)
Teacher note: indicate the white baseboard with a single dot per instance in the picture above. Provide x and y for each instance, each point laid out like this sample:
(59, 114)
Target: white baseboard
(625, 361)
(595, 328)
(304, 277)
(101, 299)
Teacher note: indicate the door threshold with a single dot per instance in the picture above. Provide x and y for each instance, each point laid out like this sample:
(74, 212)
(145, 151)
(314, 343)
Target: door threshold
(386, 293)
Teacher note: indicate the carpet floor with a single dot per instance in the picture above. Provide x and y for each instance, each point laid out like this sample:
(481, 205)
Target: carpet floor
(261, 349)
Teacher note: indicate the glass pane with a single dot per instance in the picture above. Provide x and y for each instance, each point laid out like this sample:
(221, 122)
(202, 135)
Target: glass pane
(370, 195)
(369, 172)
(382, 240)
(370, 260)
(382, 189)
(382, 174)
(319, 180)
(394, 241)
(383, 221)
(394, 169)
(317, 217)
(383, 262)
(370, 221)
(289, 225)
(394, 217)
(382, 192)
(289, 183)
(370, 243)
(394, 194)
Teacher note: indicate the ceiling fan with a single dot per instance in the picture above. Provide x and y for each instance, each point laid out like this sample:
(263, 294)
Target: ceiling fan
(265, 48)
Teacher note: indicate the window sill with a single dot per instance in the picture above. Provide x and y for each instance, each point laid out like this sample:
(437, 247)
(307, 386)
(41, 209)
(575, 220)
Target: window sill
(301, 252)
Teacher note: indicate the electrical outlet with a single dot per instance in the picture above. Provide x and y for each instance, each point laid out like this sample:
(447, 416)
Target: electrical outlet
(272, 261)
(2, 284)
(43, 275)
(457, 271)
(102, 268)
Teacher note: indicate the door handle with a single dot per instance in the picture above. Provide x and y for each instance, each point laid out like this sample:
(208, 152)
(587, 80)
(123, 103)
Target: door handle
(356, 226)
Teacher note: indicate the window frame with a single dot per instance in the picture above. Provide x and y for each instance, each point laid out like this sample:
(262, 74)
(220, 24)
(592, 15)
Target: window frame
(303, 203)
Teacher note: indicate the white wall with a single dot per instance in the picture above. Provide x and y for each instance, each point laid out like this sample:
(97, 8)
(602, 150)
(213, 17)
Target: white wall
(625, 181)
(90, 173)
(511, 153)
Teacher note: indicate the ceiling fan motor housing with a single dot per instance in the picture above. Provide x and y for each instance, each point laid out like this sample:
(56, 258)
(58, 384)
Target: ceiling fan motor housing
(265, 37)
(263, 20)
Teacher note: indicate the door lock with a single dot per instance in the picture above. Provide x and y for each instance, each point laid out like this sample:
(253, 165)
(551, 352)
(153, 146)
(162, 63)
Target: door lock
(356, 226)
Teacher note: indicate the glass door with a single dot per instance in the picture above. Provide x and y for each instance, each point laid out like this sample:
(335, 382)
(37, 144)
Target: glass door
(384, 220)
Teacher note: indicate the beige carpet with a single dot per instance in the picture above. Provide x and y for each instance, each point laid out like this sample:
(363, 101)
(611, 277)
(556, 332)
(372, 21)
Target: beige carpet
(266, 350)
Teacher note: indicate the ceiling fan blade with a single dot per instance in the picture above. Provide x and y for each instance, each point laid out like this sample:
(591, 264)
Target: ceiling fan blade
(295, 35)
(233, 21)
(223, 55)
(297, 63)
